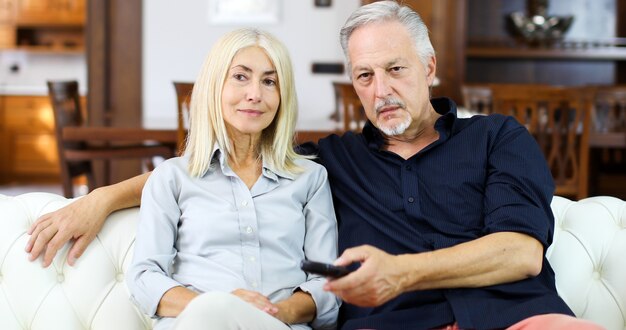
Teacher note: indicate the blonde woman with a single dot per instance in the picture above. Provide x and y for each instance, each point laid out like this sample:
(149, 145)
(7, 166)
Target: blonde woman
(223, 228)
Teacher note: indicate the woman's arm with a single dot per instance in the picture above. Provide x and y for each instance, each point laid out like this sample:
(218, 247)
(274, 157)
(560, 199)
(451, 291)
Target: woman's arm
(320, 244)
(81, 220)
(174, 301)
(299, 308)
(149, 276)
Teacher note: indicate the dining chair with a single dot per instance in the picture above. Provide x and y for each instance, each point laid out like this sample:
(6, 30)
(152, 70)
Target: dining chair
(183, 99)
(476, 98)
(609, 121)
(559, 118)
(76, 158)
(349, 108)
(609, 109)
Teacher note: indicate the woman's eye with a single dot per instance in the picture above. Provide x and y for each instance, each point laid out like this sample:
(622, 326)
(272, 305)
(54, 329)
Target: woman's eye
(239, 76)
(269, 82)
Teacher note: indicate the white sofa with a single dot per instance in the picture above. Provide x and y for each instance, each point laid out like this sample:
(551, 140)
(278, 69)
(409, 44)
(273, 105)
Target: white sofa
(588, 256)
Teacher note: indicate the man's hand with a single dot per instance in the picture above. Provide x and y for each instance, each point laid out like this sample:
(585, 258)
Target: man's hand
(80, 220)
(378, 280)
(257, 300)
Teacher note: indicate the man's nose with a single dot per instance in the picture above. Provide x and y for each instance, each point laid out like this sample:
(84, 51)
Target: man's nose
(383, 87)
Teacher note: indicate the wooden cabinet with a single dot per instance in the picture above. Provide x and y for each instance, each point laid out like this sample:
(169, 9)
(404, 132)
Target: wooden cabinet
(28, 145)
(593, 55)
(50, 12)
(7, 10)
(43, 25)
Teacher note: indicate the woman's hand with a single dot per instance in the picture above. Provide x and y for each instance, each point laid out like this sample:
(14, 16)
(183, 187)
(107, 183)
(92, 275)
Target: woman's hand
(257, 300)
(81, 220)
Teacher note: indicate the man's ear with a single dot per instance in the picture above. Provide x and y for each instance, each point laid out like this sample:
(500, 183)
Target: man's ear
(431, 70)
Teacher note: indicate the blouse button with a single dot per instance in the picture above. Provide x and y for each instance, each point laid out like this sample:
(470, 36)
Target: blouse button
(249, 230)
(244, 203)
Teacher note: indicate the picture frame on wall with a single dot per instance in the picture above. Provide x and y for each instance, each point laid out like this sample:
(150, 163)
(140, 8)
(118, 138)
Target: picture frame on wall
(238, 12)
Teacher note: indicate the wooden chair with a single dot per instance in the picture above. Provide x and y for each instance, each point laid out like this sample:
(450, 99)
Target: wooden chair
(349, 107)
(183, 99)
(76, 157)
(560, 120)
(608, 162)
(477, 98)
(609, 110)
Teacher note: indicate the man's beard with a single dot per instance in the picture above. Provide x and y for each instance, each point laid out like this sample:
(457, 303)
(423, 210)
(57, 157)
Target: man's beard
(399, 128)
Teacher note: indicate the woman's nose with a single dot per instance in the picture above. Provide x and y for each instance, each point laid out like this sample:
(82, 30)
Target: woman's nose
(253, 93)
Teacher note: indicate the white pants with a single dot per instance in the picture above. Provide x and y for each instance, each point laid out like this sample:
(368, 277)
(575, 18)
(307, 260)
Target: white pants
(220, 310)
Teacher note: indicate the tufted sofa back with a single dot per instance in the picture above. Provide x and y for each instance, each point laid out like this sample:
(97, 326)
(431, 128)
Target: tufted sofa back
(588, 256)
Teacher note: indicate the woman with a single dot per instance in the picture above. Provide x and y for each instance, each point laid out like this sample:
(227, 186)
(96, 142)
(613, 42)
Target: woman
(223, 229)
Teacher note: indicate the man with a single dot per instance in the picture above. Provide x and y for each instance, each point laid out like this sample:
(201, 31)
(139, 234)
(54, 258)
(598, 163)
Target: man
(448, 218)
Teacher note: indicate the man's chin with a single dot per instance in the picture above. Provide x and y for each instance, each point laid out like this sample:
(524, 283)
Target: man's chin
(394, 127)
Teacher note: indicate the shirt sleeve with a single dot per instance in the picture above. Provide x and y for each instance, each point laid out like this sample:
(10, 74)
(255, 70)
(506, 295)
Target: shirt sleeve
(519, 185)
(320, 244)
(149, 275)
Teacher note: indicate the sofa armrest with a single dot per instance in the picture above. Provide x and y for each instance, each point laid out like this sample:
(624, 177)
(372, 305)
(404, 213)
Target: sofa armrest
(587, 255)
(91, 295)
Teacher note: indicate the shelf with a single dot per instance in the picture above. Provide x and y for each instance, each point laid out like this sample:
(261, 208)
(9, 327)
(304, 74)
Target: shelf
(45, 49)
(592, 53)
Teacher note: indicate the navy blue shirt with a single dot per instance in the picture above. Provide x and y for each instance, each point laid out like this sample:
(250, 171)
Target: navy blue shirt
(483, 175)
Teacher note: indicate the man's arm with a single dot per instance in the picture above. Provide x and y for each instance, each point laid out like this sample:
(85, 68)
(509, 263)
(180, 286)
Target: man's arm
(493, 259)
(81, 220)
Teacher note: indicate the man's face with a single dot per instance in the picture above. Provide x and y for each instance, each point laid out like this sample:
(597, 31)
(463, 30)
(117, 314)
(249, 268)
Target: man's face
(389, 77)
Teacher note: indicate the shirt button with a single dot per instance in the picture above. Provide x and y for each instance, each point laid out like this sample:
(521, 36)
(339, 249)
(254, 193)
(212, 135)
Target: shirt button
(254, 285)
(244, 203)
(253, 259)
(249, 230)
(411, 199)
(408, 167)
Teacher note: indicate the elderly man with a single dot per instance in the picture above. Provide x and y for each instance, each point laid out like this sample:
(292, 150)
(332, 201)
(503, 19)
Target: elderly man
(447, 219)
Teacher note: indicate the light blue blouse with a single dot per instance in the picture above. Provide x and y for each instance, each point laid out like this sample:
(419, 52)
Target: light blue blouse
(214, 234)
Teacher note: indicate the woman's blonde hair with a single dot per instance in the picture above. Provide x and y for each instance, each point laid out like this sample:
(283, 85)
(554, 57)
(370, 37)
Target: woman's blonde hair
(207, 125)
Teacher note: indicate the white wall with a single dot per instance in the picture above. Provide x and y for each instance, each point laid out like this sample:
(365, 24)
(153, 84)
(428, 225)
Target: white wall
(177, 35)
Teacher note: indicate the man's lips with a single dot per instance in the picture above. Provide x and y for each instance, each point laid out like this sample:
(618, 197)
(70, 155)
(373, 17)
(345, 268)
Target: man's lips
(387, 110)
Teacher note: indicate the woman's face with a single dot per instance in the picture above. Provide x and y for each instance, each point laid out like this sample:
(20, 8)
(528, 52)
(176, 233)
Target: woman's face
(251, 96)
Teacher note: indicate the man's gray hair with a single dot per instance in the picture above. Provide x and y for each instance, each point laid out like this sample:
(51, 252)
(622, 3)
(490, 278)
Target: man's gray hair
(381, 11)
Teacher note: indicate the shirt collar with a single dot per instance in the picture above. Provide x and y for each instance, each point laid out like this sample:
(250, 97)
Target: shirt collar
(219, 157)
(444, 125)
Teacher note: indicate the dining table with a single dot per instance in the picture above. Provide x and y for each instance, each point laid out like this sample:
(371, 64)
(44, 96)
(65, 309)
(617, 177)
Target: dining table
(166, 137)
(107, 134)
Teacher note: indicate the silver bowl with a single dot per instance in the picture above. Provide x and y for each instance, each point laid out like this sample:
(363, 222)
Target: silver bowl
(538, 29)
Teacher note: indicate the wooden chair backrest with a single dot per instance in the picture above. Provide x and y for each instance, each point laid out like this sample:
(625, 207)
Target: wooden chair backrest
(349, 107)
(609, 113)
(68, 112)
(560, 120)
(477, 98)
(183, 99)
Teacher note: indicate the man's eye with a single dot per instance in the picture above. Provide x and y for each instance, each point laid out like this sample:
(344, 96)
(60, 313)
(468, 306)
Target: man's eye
(364, 75)
(396, 68)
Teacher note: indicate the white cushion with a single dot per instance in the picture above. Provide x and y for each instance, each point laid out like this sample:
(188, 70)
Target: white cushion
(588, 256)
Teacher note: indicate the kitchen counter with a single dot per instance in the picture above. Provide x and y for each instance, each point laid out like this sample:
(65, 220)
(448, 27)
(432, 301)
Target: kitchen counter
(29, 90)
